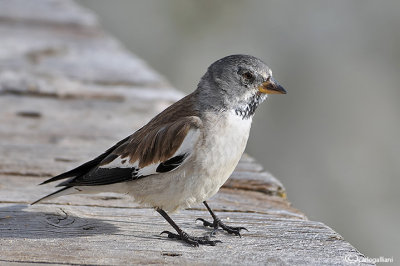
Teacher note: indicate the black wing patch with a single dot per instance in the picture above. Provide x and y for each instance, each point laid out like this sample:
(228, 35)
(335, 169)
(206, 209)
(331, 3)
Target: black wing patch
(170, 164)
(103, 176)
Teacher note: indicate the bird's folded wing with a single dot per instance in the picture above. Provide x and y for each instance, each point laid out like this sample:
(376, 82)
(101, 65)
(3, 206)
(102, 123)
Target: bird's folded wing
(153, 149)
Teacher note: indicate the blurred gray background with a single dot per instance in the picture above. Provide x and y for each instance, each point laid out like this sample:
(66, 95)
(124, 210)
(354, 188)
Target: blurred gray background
(334, 139)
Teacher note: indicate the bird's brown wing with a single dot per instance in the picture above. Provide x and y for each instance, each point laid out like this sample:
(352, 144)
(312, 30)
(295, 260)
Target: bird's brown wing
(151, 150)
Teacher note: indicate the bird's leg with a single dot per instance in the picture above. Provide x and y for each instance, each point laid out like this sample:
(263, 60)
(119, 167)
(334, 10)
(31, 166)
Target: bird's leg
(182, 235)
(218, 223)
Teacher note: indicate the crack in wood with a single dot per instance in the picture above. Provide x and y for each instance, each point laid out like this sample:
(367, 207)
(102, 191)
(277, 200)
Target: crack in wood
(35, 56)
(29, 114)
(46, 262)
(171, 254)
(66, 160)
(59, 219)
(64, 95)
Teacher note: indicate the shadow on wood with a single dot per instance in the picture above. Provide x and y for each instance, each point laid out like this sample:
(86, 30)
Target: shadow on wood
(57, 223)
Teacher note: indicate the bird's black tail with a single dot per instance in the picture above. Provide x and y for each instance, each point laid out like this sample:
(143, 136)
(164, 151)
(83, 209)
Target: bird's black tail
(60, 192)
(86, 167)
(76, 172)
(80, 170)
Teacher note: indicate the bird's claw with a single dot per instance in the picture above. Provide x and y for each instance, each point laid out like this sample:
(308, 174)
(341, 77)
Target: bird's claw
(192, 240)
(205, 223)
(219, 224)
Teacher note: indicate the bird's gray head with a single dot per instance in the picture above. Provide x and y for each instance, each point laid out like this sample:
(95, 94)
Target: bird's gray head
(237, 82)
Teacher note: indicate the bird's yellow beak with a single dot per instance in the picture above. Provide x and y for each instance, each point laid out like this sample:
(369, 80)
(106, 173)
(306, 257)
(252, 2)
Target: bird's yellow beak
(271, 87)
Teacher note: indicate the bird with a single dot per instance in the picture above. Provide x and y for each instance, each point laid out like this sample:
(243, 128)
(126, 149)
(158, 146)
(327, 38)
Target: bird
(185, 153)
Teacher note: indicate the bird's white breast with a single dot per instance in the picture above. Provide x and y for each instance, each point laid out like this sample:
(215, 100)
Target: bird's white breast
(225, 138)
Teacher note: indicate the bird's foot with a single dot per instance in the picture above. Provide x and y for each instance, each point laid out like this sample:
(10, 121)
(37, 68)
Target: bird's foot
(219, 224)
(192, 240)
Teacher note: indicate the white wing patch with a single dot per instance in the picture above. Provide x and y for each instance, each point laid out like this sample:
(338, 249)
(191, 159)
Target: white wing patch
(188, 142)
(186, 147)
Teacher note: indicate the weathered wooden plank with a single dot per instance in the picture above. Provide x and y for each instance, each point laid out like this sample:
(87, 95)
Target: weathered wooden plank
(56, 40)
(68, 91)
(99, 235)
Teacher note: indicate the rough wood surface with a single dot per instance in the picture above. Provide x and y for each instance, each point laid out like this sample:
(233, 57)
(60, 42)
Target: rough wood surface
(67, 92)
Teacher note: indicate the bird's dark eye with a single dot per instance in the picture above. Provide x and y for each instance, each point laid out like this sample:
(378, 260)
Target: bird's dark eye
(248, 76)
